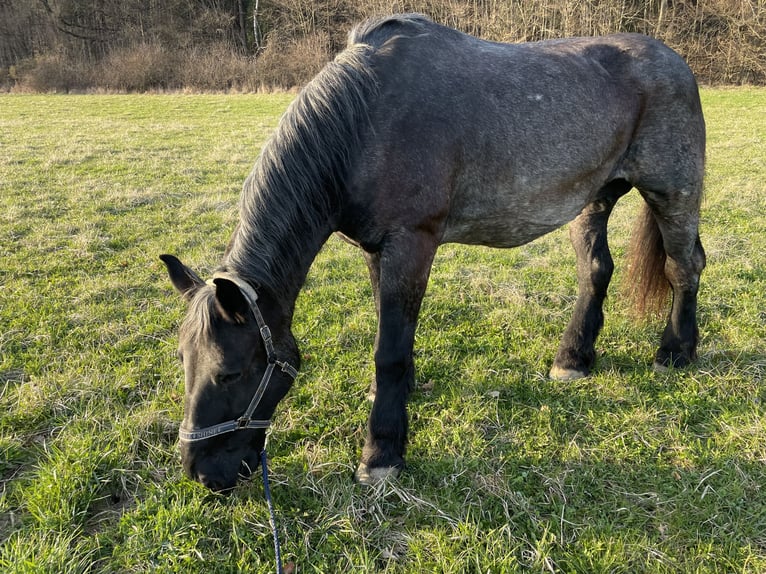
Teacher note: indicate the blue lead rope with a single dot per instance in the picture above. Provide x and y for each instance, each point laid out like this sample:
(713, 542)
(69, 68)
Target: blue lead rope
(272, 514)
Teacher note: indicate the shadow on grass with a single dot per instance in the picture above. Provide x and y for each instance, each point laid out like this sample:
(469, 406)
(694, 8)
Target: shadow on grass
(664, 469)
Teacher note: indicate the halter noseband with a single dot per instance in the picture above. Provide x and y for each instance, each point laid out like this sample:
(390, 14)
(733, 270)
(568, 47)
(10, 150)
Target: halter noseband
(245, 421)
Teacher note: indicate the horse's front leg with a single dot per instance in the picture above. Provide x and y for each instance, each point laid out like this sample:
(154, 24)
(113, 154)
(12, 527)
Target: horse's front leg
(373, 266)
(404, 266)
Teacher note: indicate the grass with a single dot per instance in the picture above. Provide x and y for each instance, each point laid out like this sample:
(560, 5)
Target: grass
(628, 471)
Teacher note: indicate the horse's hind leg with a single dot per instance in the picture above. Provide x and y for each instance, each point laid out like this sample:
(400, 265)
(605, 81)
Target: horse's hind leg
(576, 354)
(677, 216)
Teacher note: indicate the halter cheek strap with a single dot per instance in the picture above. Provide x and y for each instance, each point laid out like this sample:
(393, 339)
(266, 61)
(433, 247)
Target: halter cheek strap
(246, 421)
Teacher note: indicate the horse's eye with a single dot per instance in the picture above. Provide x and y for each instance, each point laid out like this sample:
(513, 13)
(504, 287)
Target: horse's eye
(227, 378)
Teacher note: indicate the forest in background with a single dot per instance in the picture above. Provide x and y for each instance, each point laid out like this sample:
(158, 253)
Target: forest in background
(250, 45)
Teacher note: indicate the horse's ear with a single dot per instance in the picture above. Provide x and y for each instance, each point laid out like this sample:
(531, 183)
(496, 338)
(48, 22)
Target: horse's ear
(231, 302)
(183, 279)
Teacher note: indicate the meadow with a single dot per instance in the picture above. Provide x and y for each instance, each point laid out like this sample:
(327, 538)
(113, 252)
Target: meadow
(628, 471)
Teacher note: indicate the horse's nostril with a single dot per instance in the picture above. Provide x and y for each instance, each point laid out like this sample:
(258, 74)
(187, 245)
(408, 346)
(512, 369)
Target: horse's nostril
(206, 480)
(214, 483)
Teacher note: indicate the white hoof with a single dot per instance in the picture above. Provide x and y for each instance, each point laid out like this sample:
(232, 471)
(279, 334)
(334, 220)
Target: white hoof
(371, 476)
(660, 368)
(559, 374)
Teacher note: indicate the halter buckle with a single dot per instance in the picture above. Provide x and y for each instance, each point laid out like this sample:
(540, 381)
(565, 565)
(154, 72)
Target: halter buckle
(246, 421)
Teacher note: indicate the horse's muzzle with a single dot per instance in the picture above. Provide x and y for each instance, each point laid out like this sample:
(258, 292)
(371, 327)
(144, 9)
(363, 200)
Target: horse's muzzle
(220, 477)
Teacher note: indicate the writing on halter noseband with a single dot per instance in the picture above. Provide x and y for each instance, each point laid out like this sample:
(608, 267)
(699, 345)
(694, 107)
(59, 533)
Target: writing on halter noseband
(246, 421)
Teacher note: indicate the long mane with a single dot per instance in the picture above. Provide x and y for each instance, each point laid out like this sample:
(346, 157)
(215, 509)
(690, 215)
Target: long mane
(293, 191)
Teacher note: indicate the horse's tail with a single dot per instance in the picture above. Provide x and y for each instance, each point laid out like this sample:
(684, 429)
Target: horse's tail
(646, 285)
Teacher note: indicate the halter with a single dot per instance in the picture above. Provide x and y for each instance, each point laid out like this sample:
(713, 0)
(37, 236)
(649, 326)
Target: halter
(245, 421)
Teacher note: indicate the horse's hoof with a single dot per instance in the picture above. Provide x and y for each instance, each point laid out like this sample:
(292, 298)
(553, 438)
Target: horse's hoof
(370, 476)
(663, 361)
(561, 374)
(659, 367)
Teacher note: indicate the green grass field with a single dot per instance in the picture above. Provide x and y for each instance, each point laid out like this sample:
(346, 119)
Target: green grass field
(629, 471)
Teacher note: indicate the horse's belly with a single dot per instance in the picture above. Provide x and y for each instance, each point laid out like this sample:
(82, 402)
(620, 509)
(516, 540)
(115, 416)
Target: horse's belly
(497, 231)
(499, 219)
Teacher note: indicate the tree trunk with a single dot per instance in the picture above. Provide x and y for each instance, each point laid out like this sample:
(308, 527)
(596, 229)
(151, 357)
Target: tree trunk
(242, 24)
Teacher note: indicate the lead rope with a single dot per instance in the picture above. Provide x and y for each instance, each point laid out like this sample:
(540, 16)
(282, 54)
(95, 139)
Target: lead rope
(272, 514)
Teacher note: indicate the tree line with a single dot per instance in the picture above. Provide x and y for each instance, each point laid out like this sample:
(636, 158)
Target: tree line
(137, 45)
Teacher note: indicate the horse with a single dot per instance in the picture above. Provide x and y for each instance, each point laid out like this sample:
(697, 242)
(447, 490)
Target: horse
(416, 135)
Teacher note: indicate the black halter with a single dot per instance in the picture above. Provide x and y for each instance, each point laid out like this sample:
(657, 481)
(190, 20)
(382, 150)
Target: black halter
(245, 421)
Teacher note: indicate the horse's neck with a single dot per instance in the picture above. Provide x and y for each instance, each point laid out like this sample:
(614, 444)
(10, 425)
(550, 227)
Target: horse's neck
(277, 256)
(290, 200)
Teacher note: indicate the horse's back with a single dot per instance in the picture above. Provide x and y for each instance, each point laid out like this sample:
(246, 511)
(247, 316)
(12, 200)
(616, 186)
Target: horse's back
(411, 39)
(505, 142)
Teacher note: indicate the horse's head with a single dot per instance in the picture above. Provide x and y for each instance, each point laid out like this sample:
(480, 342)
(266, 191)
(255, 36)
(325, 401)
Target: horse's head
(235, 373)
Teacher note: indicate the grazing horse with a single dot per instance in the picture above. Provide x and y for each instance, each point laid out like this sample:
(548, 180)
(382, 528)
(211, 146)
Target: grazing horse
(417, 135)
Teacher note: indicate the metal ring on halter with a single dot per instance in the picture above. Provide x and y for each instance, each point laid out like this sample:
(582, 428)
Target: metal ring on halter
(245, 421)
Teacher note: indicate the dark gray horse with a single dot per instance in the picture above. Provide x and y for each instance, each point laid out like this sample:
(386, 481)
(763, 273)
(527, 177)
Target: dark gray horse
(417, 135)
